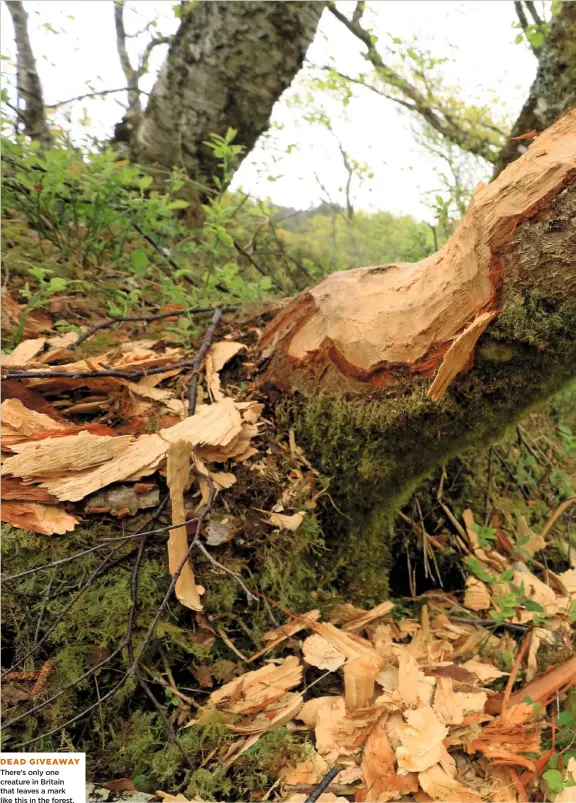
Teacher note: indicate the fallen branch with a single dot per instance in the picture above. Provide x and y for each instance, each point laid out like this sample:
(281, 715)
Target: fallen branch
(146, 319)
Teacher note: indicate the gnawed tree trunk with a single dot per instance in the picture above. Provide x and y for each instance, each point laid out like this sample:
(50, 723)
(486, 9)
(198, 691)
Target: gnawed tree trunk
(554, 89)
(228, 64)
(388, 371)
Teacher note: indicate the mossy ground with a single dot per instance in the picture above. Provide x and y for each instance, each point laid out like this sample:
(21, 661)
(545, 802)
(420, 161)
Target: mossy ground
(125, 737)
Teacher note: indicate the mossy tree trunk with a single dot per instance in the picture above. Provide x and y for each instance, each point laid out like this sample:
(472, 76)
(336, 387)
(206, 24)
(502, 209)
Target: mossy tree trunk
(388, 371)
(226, 67)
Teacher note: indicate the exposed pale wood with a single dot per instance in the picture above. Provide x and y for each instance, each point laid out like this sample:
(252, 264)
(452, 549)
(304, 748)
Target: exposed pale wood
(359, 682)
(178, 475)
(372, 327)
(37, 517)
(52, 456)
(436, 782)
(24, 352)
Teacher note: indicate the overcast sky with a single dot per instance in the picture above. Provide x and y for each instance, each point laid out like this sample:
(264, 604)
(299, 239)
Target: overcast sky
(477, 36)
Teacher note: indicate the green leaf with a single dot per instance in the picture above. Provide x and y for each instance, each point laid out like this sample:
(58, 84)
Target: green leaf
(139, 260)
(507, 575)
(518, 39)
(224, 237)
(566, 718)
(39, 273)
(145, 182)
(555, 780)
(530, 605)
(57, 284)
(178, 205)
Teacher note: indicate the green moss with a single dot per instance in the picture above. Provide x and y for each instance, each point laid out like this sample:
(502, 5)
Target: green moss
(376, 449)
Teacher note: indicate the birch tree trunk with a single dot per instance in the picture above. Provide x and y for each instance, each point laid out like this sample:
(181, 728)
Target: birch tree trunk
(29, 85)
(387, 371)
(227, 65)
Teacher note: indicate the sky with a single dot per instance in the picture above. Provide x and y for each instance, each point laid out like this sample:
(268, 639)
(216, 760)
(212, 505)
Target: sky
(74, 43)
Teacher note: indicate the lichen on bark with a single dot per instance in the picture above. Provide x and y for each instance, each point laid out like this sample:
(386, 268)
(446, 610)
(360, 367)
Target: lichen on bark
(226, 67)
(553, 91)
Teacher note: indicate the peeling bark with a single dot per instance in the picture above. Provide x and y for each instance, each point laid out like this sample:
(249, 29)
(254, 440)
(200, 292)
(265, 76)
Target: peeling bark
(553, 92)
(228, 64)
(29, 85)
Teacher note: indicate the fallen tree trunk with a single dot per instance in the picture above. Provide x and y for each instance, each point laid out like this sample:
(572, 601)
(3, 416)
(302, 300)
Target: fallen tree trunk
(388, 371)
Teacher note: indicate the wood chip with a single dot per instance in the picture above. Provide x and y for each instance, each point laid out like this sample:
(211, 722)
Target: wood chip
(38, 518)
(212, 425)
(141, 458)
(447, 705)
(359, 681)
(20, 423)
(350, 645)
(285, 522)
(23, 353)
(253, 691)
(320, 653)
(486, 672)
(178, 474)
(52, 456)
(436, 782)
(368, 617)
(278, 635)
(477, 596)
(421, 740)
(381, 781)
(337, 732)
(218, 355)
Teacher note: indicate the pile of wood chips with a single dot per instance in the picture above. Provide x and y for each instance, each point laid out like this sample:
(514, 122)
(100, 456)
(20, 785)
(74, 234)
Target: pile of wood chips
(417, 718)
(51, 460)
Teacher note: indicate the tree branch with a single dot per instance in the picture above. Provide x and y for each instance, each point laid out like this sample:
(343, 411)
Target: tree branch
(359, 10)
(91, 95)
(131, 75)
(531, 6)
(522, 18)
(29, 85)
(410, 106)
(524, 24)
(435, 117)
(157, 40)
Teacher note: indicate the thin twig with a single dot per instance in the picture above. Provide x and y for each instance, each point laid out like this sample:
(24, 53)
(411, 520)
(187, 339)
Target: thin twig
(324, 783)
(170, 259)
(146, 319)
(254, 264)
(17, 374)
(92, 95)
(199, 358)
(130, 537)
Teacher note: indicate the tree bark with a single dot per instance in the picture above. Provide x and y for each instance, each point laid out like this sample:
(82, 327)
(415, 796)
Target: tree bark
(379, 367)
(553, 92)
(226, 67)
(29, 85)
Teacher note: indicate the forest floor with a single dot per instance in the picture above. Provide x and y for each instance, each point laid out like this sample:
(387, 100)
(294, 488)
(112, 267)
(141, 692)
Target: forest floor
(168, 606)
